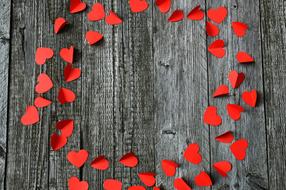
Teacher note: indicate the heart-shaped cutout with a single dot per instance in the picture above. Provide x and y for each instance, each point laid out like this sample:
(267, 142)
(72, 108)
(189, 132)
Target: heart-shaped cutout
(75, 184)
(137, 6)
(100, 163)
(236, 78)
(97, 12)
(112, 184)
(222, 167)
(58, 141)
(129, 160)
(163, 5)
(203, 180)
(59, 24)
(43, 54)
(136, 187)
(77, 158)
(192, 153)
(180, 184)
(217, 48)
(148, 178)
(211, 117)
(70, 73)
(250, 98)
(217, 14)
(226, 137)
(31, 116)
(222, 90)
(239, 148)
(196, 13)
(44, 83)
(211, 29)
(66, 96)
(234, 111)
(176, 16)
(66, 127)
(92, 37)
(113, 18)
(169, 167)
(67, 54)
(41, 102)
(239, 28)
(76, 6)
(243, 57)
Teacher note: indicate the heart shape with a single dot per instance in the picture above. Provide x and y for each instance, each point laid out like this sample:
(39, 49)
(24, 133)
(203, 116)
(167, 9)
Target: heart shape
(113, 18)
(67, 54)
(70, 73)
(100, 163)
(203, 180)
(41, 102)
(60, 23)
(236, 78)
(76, 6)
(211, 29)
(239, 28)
(156, 188)
(148, 178)
(222, 167)
(250, 98)
(97, 12)
(239, 148)
(222, 90)
(66, 96)
(92, 37)
(136, 187)
(176, 16)
(180, 184)
(234, 111)
(66, 127)
(211, 117)
(77, 158)
(58, 141)
(196, 13)
(129, 160)
(43, 54)
(169, 167)
(217, 48)
(31, 116)
(243, 57)
(75, 184)
(217, 14)
(112, 184)
(226, 137)
(137, 6)
(163, 5)
(44, 83)
(192, 154)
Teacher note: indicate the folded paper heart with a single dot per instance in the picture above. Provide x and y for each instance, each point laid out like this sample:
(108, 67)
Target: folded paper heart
(92, 37)
(243, 57)
(180, 184)
(234, 111)
(176, 16)
(148, 178)
(59, 24)
(77, 158)
(222, 90)
(41, 102)
(66, 127)
(43, 54)
(70, 73)
(192, 153)
(76, 6)
(113, 18)
(211, 117)
(236, 78)
(112, 184)
(196, 13)
(136, 187)
(226, 137)
(163, 5)
(58, 141)
(222, 167)
(250, 97)
(211, 29)
(129, 160)
(217, 48)
(137, 6)
(239, 28)
(238, 149)
(75, 184)
(97, 12)
(217, 14)
(66, 96)
(67, 54)
(203, 180)
(100, 163)
(44, 83)
(169, 167)
(31, 116)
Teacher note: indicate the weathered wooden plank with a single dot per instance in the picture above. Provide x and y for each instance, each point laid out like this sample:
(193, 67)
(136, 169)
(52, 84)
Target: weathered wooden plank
(273, 17)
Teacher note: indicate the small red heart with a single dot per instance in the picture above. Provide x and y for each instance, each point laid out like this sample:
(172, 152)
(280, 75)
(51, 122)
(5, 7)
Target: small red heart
(67, 54)
(112, 184)
(250, 98)
(66, 96)
(156, 188)
(76, 6)
(234, 111)
(92, 37)
(31, 116)
(113, 19)
(169, 167)
(100, 163)
(97, 12)
(217, 48)
(129, 160)
(222, 90)
(239, 28)
(137, 6)
(44, 83)
(176, 16)
(70, 73)
(58, 141)
(42, 54)
(243, 57)
(211, 117)
(66, 127)
(222, 167)
(226, 137)
(212, 30)
(236, 78)
(41, 102)
(77, 158)
(203, 180)
(196, 13)
(192, 154)
(238, 149)
(60, 23)
(180, 184)
(136, 187)
(75, 184)
(148, 178)
(217, 14)
(163, 5)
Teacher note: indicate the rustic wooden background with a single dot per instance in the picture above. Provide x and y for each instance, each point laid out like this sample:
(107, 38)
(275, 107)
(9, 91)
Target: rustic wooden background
(143, 89)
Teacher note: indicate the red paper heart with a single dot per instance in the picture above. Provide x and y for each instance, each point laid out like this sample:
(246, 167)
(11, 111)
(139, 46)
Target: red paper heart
(212, 30)
(239, 28)
(250, 98)
(100, 163)
(113, 19)
(92, 37)
(41, 102)
(238, 149)
(129, 160)
(192, 154)
(156, 188)
(42, 54)
(176, 16)
(31, 116)
(217, 14)
(60, 23)
(67, 54)
(222, 90)
(203, 180)
(163, 5)
(112, 184)
(196, 13)
(148, 178)
(137, 6)
(76, 6)
(217, 48)
(66, 127)
(234, 111)
(169, 167)
(58, 141)
(97, 12)
(66, 96)
(226, 137)
(70, 73)
(44, 83)
(75, 184)
(211, 117)
(243, 57)
(222, 167)
(77, 158)
(180, 184)
(136, 187)
(236, 78)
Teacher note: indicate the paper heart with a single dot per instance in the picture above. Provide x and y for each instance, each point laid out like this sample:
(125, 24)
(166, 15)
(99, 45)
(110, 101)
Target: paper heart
(226, 137)
(66, 96)
(217, 48)
(59, 24)
(92, 37)
(41, 102)
(169, 167)
(31, 116)
(75, 184)
(239, 28)
(67, 54)
(148, 178)
(239, 148)
(113, 18)
(236, 78)
(217, 14)
(192, 154)
(44, 83)
(43, 54)
(70, 73)
(243, 57)
(163, 5)
(222, 90)
(222, 167)
(66, 127)
(180, 184)
(137, 6)
(203, 180)
(97, 12)
(196, 13)
(212, 30)
(77, 158)
(176, 16)
(100, 163)
(76, 6)
(112, 184)
(58, 141)
(250, 98)
(156, 188)
(129, 160)
(136, 187)
(234, 111)
(211, 117)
